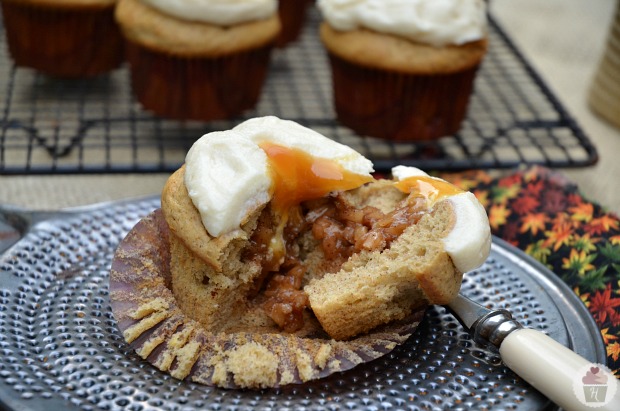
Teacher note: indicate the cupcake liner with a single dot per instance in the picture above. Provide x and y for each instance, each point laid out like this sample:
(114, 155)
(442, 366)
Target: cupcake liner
(197, 88)
(399, 106)
(292, 17)
(152, 323)
(63, 42)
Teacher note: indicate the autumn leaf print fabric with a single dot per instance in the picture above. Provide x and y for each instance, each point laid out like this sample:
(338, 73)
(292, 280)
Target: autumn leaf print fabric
(543, 213)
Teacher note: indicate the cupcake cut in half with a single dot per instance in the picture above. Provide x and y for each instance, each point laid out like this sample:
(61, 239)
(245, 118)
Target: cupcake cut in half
(276, 247)
(403, 70)
(194, 60)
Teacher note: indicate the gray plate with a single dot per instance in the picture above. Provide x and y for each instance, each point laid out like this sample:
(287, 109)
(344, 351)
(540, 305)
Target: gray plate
(60, 348)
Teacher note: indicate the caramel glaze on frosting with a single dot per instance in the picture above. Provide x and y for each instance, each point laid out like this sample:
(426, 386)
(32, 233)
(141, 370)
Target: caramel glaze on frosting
(228, 175)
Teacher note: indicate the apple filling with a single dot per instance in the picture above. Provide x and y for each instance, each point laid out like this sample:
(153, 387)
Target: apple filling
(340, 229)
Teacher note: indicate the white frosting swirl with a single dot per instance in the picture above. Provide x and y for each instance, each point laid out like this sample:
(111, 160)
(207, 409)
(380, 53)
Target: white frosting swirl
(226, 177)
(434, 22)
(469, 242)
(218, 12)
(227, 173)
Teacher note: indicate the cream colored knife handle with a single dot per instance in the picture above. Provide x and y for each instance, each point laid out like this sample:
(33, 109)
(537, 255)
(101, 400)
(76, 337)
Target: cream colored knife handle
(557, 372)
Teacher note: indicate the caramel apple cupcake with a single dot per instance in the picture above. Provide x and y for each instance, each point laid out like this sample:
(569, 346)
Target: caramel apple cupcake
(276, 258)
(63, 38)
(403, 70)
(203, 60)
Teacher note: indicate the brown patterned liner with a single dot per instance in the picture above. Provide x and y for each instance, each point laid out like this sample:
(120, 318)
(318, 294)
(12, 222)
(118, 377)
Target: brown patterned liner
(63, 42)
(153, 324)
(197, 88)
(399, 106)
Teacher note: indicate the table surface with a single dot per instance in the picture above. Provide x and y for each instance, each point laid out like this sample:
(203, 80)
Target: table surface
(562, 39)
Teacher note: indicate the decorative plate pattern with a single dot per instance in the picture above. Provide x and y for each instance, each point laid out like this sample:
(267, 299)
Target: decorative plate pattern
(61, 347)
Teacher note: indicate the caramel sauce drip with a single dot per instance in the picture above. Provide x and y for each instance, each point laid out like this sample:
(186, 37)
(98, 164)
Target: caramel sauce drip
(430, 188)
(299, 176)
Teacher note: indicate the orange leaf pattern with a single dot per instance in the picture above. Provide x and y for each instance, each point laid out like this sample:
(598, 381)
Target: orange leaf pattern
(541, 212)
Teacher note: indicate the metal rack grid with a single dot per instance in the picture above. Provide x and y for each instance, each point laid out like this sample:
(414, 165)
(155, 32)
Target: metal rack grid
(50, 125)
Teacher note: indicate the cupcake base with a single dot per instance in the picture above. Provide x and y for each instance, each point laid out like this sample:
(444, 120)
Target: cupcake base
(254, 356)
(197, 88)
(63, 42)
(400, 106)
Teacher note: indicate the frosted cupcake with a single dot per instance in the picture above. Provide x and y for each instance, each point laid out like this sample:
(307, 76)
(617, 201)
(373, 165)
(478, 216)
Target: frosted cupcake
(63, 38)
(198, 60)
(403, 70)
(276, 258)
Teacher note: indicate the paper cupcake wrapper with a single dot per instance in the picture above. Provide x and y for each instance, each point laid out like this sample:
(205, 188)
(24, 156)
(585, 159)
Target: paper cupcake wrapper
(155, 327)
(63, 42)
(292, 17)
(197, 88)
(399, 106)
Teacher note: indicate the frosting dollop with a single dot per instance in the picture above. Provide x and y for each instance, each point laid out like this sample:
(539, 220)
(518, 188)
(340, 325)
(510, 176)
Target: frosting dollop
(469, 242)
(218, 12)
(434, 22)
(227, 173)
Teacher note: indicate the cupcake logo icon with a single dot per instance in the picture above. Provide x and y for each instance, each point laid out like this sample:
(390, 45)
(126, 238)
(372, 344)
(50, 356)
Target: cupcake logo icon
(592, 385)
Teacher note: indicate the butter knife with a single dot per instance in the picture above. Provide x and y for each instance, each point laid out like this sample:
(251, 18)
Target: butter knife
(547, 365)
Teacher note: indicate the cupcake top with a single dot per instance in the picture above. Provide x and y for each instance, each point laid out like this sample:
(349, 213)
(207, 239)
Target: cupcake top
(219, 12)
(199, 28)
(229, 174)
(434, 22)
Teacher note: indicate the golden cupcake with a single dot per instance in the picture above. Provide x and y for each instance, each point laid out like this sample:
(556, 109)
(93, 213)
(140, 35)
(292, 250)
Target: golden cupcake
(403, 70)
(63, 38)
(203, 60)
(277, 258)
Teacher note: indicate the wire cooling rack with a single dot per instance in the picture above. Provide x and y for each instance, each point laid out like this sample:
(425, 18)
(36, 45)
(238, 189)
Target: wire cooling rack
(50, 125)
